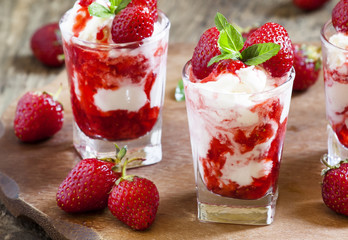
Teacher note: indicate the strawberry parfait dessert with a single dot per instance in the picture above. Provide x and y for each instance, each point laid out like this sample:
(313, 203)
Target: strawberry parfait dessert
(237, 98)
(115, 54)
(334, 39)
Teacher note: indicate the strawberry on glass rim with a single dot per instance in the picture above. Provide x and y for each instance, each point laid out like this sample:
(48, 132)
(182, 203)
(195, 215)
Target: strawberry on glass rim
(268, 46)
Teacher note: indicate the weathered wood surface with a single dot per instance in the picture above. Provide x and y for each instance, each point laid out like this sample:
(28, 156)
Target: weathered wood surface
(20, 72)
(31, 173)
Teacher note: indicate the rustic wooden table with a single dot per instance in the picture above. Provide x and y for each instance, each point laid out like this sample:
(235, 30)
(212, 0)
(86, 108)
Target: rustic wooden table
(20, 71)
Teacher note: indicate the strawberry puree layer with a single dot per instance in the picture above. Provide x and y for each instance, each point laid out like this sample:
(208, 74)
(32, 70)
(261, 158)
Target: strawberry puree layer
(116, 91)
(237, 139)
(336, 86)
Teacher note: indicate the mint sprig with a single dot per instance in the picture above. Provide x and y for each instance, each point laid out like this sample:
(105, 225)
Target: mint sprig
(259, 53)
(231, 41)
(98, 10)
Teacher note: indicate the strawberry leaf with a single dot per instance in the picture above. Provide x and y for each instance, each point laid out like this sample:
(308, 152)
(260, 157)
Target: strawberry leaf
(179, 91)
(98, 10)
(122, 4)
(223, 56)
(259, 53)
(229, 35)
(230, 40)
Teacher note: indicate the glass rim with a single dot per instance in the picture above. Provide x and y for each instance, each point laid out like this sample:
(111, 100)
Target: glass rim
(274, 90)
(149, 40)
(324, 38)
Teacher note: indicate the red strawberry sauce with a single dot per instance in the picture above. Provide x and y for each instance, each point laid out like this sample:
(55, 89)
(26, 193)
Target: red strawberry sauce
(246, 139)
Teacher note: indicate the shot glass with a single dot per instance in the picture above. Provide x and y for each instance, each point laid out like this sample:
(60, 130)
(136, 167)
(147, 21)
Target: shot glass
(237, 141)
(335, 68)
(117, 94)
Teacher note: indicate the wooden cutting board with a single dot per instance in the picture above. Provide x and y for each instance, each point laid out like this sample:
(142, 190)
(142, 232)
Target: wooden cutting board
(31, 173)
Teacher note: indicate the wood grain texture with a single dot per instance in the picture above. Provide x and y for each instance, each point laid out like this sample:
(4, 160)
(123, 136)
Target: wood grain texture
(300, 212)
(20, 71)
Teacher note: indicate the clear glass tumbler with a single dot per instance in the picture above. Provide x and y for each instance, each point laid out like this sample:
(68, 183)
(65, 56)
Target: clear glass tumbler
(117, 94)
(335, 68)
(237, 141)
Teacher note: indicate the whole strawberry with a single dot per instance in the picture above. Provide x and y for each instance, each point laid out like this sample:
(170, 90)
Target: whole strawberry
(270, 32)
(307, 64)
(150, 4)
(334, 186)
(87, 186)
(134, 201)
(309, 5)
(132, 24)
(38, 116)
(206, 48)
(268, 45)
(46, 45)
(340, 16)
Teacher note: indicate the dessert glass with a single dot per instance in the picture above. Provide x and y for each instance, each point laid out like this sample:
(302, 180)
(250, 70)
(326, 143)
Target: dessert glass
(237, 141)
(335, 68)
(117, 93)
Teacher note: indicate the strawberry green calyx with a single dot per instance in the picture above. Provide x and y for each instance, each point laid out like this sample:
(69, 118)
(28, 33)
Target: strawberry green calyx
(98, 10)
(324, 160)
(231, 42)
(124, 167)
(117, 160)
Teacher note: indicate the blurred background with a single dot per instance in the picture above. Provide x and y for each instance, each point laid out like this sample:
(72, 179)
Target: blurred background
(20, 71)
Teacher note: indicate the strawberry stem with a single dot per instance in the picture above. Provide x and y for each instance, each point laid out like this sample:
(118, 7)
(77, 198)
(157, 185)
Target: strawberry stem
(56, 95)
(324, 161)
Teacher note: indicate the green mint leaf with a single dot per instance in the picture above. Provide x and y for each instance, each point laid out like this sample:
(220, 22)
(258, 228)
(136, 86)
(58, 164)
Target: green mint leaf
(259, 53)
(98, 10)
(122, 4)
(235, 39)
(230, 40)
(179, 91)
(226, 45)
(220, 21)
(223, 56)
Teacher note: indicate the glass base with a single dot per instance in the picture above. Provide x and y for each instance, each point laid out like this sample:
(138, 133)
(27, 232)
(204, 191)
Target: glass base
(216, 208)
(336, 151)
(147, 147)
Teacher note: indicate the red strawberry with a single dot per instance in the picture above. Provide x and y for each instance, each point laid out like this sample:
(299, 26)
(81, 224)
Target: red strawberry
(248, 31)
(224, 66)
(38, 116)
(151, 4)
(340, 16)
(46, 44)
(334, 186)
(132, 24)
(307, 64)
(86, 3)
(87, 186)
(281, 63)
(309, 5)
(134, 201)
(206, 48)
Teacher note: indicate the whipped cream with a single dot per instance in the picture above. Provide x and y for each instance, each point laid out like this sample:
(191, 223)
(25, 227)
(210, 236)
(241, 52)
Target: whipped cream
(337, 59)
(124, 98)
(93, 25)
(246, 80)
